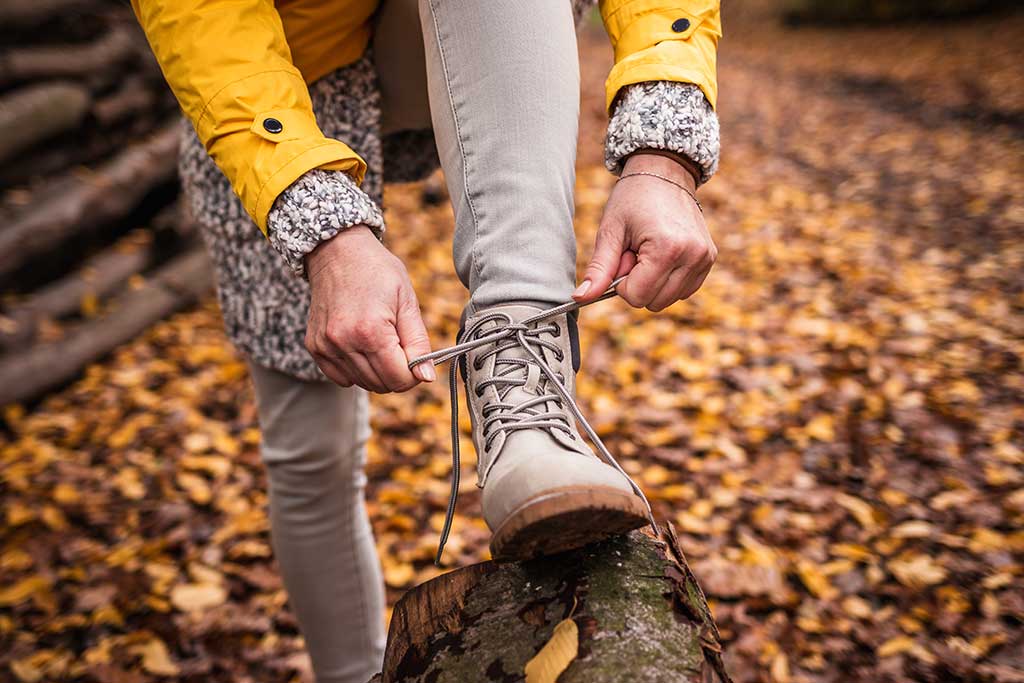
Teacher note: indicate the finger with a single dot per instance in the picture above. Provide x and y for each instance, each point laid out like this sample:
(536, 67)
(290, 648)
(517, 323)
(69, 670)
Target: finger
(643, 282)
(392, 367)
(626, 263)
(604, 263)
(335, 372)
(694, 282)
(366, 375)
(412, 335)
(671, 291)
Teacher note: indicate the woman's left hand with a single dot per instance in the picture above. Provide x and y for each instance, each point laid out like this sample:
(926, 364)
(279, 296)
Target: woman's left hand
(655, 232)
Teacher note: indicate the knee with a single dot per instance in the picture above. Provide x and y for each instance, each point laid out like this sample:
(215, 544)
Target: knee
(314, 462)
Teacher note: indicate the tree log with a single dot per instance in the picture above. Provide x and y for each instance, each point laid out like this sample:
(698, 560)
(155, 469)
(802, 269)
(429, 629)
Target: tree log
(640, 613)
(32, 114)
(133, 97)
(68, 61)
(29, 374)
(78, 203)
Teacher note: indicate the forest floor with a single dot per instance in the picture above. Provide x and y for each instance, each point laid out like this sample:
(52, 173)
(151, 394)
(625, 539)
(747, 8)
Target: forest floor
(834, 424)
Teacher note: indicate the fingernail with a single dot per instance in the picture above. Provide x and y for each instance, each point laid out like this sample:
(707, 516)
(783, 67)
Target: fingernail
(425, 371)
(582, 289)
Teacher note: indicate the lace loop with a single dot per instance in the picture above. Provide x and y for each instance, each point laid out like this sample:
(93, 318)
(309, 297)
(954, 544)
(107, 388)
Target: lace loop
(502, 417)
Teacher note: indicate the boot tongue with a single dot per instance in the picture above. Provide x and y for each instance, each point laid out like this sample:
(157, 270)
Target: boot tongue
(531, 371)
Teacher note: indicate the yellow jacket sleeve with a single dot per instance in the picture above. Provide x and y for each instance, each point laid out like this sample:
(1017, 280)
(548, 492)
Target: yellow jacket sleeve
(656, 40)
(229, 65)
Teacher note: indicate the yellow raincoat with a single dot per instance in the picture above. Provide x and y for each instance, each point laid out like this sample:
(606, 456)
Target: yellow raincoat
(240, 70)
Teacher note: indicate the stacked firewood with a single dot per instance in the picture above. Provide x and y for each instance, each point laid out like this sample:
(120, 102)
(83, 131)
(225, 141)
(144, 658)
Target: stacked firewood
(93, 247)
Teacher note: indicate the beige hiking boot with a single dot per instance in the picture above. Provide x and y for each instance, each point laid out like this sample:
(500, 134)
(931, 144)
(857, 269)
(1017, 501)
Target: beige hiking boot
(544, 489)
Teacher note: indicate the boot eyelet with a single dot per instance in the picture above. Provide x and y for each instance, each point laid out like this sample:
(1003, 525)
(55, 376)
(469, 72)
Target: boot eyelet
(558, 330)
(477, 365)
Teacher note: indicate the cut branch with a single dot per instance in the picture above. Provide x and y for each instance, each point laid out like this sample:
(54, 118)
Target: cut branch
(77, 204)
(132, 98)
(99, 277)
(640, 612)
(35, 113)
(68, 61)
(29, 374)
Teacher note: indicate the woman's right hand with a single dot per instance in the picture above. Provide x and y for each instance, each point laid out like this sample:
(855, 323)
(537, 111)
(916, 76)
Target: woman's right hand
(364, 321)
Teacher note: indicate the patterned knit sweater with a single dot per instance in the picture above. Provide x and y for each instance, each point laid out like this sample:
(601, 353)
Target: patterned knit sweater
(265, 305)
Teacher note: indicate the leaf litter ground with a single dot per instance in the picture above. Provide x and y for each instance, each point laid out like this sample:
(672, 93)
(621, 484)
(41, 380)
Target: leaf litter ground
(834, 423)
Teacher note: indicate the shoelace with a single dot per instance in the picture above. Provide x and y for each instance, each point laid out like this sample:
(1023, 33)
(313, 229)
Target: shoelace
(517, 333)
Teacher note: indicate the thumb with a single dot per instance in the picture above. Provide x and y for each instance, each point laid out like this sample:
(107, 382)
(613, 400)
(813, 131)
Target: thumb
(413, 337)
(604, 264)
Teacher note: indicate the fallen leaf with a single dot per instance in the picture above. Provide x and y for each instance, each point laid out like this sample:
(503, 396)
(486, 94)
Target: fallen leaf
(556, 655)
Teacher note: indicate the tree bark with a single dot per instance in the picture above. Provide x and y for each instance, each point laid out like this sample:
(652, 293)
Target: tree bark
(640, 613)
(76, 204)
(27, 375)
(33, 114)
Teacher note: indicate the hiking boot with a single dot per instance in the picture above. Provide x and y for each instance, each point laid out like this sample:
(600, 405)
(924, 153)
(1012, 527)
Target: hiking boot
(544, 489)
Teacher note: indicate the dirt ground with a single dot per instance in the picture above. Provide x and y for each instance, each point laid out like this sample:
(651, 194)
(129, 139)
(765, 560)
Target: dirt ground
(834, 424)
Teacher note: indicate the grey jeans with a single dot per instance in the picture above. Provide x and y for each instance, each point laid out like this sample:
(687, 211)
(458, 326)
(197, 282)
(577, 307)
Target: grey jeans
(503, 82)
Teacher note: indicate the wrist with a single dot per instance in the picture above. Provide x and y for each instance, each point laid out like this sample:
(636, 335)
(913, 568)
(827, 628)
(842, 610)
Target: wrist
(348, 241)
(663, 162)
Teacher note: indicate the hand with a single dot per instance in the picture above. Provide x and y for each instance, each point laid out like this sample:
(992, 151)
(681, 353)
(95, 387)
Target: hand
(364, 321)
(653, 231)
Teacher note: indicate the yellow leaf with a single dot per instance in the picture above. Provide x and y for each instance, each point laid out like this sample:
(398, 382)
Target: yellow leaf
(780, 668)
(918, 571)
(155, 658)
(895, 646)
(860, 510)
(857, 607)
(214, 465)
(196, 487)
(189, 597)
(556, 655)
(54, 518)
(66, 494)
(128, 483)
(815, 580)
(89, 305)
(25, 671)
(821, 428)
(23, 590)
(398, 574)
(19, 513)
(913, 529)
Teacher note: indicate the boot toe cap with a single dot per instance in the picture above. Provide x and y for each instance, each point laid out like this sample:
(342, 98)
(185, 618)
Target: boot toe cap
(516, 481)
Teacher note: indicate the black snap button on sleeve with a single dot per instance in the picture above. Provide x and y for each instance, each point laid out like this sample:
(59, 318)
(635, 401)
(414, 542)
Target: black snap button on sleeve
(272, 125)
(680, 25)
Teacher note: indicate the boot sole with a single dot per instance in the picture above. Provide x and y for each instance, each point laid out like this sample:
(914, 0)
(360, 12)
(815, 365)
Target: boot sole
(565, 519)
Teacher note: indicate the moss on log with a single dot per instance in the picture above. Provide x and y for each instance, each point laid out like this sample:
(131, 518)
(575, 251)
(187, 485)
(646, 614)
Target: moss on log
(641, 615)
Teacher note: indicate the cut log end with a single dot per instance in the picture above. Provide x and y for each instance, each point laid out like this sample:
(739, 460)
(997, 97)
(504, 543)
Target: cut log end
(640, 612)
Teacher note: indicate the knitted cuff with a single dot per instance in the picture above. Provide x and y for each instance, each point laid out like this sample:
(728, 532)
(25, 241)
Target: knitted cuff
(663, 115)
(315, 208)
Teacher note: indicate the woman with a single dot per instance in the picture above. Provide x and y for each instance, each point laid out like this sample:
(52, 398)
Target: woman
(302, 110)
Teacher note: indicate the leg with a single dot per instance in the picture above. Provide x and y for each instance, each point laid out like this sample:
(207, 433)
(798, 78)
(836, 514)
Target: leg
(503, 79)
(314, 437)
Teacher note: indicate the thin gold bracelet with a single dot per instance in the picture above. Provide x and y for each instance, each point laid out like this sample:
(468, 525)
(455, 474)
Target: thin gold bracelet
(667, 180)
